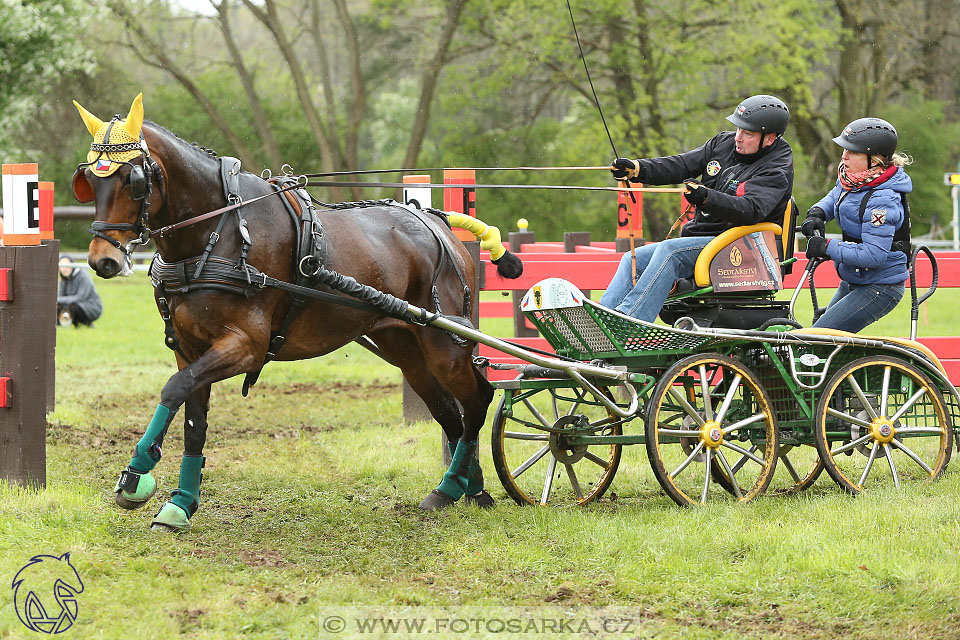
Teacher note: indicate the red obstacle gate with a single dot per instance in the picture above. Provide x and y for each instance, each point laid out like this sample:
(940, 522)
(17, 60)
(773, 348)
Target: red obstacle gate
(592, 266)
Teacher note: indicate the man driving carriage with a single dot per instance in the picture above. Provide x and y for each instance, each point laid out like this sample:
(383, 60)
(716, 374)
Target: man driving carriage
(734, 179)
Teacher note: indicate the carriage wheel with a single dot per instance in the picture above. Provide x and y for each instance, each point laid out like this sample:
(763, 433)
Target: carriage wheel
(537, 467)
(798, 467)
(882, 420)
(709, 411)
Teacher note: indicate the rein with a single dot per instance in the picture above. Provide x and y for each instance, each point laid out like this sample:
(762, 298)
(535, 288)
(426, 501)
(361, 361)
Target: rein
(407, 185)
(211, 214)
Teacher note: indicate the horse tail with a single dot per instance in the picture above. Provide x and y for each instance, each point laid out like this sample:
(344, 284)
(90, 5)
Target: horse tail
(508, 265)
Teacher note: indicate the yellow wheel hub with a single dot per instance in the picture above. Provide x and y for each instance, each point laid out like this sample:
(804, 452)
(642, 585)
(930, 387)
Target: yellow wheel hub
(711, 435)
(882, 430)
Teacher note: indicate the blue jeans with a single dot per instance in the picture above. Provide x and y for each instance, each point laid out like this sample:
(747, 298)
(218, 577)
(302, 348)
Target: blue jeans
(659, 266)
(855, 306)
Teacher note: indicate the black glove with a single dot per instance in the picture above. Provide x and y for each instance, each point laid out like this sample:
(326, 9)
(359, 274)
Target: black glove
(626, 169)
(816, 221)
(696, 192)
(817, 247)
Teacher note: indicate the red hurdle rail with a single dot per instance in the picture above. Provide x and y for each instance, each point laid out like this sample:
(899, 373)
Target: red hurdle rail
(592, 266)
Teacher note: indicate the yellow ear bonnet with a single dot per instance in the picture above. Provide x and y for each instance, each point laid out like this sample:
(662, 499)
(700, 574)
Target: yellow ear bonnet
(126, 132)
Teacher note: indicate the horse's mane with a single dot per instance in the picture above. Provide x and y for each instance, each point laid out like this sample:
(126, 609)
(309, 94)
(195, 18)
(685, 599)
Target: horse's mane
(187, 147)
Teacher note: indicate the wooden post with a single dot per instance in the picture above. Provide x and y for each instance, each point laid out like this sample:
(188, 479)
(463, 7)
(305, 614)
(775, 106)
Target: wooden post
(51, 366)
(27, 339)
(520, 327)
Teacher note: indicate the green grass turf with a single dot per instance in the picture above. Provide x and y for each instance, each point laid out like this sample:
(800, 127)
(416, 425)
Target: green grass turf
(309, 507)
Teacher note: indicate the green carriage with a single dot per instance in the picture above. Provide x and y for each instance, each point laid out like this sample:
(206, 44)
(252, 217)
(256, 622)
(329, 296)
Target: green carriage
(717, 409)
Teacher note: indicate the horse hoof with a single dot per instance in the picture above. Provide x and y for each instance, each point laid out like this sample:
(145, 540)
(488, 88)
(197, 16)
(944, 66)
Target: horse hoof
(436, 500)
(130, 505)
(483, 500)
(144, 488)
(170, 518)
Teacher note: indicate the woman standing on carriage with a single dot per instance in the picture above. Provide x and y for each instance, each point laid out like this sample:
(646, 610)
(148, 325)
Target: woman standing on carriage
(869, 203)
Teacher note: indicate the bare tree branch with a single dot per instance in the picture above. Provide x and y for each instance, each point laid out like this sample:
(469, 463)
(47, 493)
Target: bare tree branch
(246, 79)
(157, 51)
(428, 81)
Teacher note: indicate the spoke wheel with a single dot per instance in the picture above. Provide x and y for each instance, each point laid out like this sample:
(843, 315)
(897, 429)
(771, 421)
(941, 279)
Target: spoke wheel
(711, 431)
(882, 421)
(537, 467)
(798, 467)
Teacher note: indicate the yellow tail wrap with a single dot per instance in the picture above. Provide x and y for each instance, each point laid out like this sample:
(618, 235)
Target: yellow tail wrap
(488, 235)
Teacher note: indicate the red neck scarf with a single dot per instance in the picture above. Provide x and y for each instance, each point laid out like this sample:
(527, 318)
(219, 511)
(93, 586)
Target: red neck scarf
(868, 178)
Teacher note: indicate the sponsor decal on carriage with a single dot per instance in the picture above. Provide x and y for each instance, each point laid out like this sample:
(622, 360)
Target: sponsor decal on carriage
(878, 217)
(553, 293)
(713, 168)
(810, 359)
(749, 265)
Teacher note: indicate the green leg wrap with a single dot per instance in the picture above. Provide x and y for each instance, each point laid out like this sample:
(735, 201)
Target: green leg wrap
(147, 452)
(455, 481)
(187, 495)
(475, 473)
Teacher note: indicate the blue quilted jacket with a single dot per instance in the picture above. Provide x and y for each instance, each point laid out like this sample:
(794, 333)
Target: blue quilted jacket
(870, 260)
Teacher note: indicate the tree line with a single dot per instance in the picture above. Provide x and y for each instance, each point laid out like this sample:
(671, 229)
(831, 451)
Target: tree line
(327, 85)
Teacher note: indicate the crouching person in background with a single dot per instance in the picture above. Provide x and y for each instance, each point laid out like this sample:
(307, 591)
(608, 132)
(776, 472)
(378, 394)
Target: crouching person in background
(77, 299)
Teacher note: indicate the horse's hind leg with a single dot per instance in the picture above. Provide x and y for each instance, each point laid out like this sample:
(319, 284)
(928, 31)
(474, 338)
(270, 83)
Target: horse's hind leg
(465, 468)
(402, 347)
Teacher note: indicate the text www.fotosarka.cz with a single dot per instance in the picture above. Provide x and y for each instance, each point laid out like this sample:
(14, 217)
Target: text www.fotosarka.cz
(473, 622)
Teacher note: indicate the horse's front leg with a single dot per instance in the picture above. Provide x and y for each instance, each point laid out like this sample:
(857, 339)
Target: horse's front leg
(175, 514)
(136, 485)
(227, 357)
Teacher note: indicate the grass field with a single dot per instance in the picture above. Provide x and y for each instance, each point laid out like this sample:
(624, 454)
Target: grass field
(309, 510)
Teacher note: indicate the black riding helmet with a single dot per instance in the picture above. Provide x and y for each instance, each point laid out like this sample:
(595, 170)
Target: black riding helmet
(763, 113)
(869, 136)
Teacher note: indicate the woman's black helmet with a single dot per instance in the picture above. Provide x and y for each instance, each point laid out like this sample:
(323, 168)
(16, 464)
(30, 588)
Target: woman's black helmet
(869, 136)
(763, 113)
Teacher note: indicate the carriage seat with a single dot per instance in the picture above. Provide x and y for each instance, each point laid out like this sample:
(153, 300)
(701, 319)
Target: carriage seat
(737, 261)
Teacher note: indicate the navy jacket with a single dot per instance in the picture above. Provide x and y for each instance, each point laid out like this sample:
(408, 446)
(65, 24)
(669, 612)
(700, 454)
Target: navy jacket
(870, 260)
(742, 191)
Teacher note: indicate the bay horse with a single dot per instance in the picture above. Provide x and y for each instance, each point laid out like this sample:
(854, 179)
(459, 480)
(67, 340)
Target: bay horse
(223, 321)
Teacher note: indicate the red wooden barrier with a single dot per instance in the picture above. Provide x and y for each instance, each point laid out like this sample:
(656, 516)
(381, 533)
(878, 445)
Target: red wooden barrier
(593, 266)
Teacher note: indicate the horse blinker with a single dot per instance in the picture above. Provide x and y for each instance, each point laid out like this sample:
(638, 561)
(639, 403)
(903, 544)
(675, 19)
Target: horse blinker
(138, 183)
(82, 190)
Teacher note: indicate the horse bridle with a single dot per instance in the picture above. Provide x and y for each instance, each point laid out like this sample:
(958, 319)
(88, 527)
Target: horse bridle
(141, 187)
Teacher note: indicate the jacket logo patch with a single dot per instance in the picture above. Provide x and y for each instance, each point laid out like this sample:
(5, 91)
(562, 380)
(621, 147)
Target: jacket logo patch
(713, 168)
(878, 217)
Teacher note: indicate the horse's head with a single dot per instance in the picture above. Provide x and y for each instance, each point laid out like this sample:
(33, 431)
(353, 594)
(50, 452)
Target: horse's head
(118, 176)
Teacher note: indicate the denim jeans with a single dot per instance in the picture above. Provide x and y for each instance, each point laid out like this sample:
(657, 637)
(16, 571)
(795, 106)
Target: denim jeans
(855, 306)
(659, 265)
